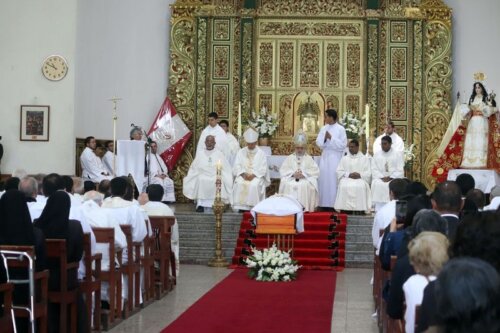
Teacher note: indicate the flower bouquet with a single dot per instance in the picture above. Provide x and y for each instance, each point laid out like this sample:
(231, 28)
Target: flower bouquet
(408, 154)
(264, 123)
(354, 127)
(271, 265)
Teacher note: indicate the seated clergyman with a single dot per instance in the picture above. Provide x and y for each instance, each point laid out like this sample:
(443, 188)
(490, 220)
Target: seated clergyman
(199, 184)
(354, 175)
(299, 175)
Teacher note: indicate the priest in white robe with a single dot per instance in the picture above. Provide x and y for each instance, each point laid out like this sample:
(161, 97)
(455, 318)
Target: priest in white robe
(109, 156)
(92, 167)
(199, 184)
(158, 172)
(233, 145)
(354, 176)
(332, 140)
(387, 165)
(251, 174)
(299, 175)
(216, 131)
(397, 142)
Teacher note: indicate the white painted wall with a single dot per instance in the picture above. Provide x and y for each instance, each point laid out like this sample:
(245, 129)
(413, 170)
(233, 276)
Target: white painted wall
(476, 44)
(122, 51)
(120, 48)
(31, 30)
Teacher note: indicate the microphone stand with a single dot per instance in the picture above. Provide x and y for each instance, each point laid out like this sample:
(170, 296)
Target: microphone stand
(148, 149)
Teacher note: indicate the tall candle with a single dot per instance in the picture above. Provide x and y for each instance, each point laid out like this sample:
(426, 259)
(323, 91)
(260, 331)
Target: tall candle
(219, 167)
(239, 120)
(367, 120)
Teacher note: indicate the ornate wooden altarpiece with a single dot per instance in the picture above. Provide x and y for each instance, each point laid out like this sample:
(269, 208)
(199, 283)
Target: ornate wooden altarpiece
(298, 57)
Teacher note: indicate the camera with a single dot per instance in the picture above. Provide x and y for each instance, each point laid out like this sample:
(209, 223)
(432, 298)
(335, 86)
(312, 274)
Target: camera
(401, 209)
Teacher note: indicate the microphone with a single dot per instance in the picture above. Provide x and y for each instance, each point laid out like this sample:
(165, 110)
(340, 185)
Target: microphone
(134, 125)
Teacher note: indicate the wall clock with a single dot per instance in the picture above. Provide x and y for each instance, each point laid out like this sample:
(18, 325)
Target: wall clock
(54, 68)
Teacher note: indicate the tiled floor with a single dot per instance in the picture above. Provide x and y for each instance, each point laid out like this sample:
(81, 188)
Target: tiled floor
(352, 310)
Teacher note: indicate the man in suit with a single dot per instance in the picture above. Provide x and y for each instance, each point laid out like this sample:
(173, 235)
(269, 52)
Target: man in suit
(447, 201)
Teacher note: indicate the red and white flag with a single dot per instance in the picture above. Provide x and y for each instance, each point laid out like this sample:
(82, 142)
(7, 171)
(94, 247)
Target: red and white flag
(170, 134)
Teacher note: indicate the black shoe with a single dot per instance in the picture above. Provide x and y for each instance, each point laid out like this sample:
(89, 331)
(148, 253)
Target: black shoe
(200, 209)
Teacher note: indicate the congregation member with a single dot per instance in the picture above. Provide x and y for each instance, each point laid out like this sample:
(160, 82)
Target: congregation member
(109, 156)
(29, 187)
(76, 200)
(158, 172)
(199, 184)
(477, 197)
(104, 188)
(251, 174)
(447, 202)
(397, 142)
(16, 228)
(154, 207)
(232, 142)
(428, 252)
(383, 217)
(55, 223)
(332, 140)
(217, 132)
(299, 175)
(354, 176)
(494, 198)
(92, 167)
(387, 164)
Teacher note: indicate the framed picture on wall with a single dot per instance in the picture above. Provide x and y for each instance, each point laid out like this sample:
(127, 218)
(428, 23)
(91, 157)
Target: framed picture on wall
(34, 123)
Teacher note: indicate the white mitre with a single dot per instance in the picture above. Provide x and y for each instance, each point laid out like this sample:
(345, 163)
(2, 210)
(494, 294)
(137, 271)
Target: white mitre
(300, 139)
(250, 135)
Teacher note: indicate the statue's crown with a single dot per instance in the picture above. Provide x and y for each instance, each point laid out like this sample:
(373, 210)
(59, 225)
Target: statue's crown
(479, 76)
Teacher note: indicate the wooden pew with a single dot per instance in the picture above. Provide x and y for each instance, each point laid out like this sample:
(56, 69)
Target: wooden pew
(147, 263)
(111, 317)
(36, 309)
(6, 290)
(132, 269)
(161, 226)
(91, 284)
(56, 251)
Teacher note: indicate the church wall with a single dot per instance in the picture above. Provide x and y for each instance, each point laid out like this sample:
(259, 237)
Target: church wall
(31, 30)
(122, 51)
(475, 47)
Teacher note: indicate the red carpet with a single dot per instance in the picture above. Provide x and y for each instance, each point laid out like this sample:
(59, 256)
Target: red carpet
(238, 304)
(321, 246)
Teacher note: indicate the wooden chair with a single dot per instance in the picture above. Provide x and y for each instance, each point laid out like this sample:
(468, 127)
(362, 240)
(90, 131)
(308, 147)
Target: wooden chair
(132, 270)
(91, 284)
(57, 252)
(147, 263)
(111, 317)
(36, 310)
(161, 226)
(6, 318)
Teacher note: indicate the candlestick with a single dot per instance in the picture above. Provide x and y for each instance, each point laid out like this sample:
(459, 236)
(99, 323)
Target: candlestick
(367, 119)
(239, 120)
(115, 118)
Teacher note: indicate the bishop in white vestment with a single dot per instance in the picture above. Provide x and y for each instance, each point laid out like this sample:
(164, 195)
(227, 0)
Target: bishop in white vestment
(216, 131)
(354, 176)
(158, 172)
(332, 140)
(299, 175)
(199, 184)
(387, 165)
(397, 142)
(251, 174)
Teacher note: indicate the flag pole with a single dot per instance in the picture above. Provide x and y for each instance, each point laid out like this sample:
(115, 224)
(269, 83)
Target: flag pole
(115, 118)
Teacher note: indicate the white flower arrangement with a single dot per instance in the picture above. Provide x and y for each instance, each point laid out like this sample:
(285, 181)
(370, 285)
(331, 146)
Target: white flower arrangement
(408, 154)
(271, 265)
(354, 127)
(264, 123)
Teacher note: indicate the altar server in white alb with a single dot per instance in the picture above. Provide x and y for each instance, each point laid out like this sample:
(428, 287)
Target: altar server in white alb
(397, 143)
(216, 131)
(299, 175)
(354, 176)
(233, 146)
(92, 167)
(251, 174)
(158, 172)
(387, 165)
(332, 140)
(199, 184)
